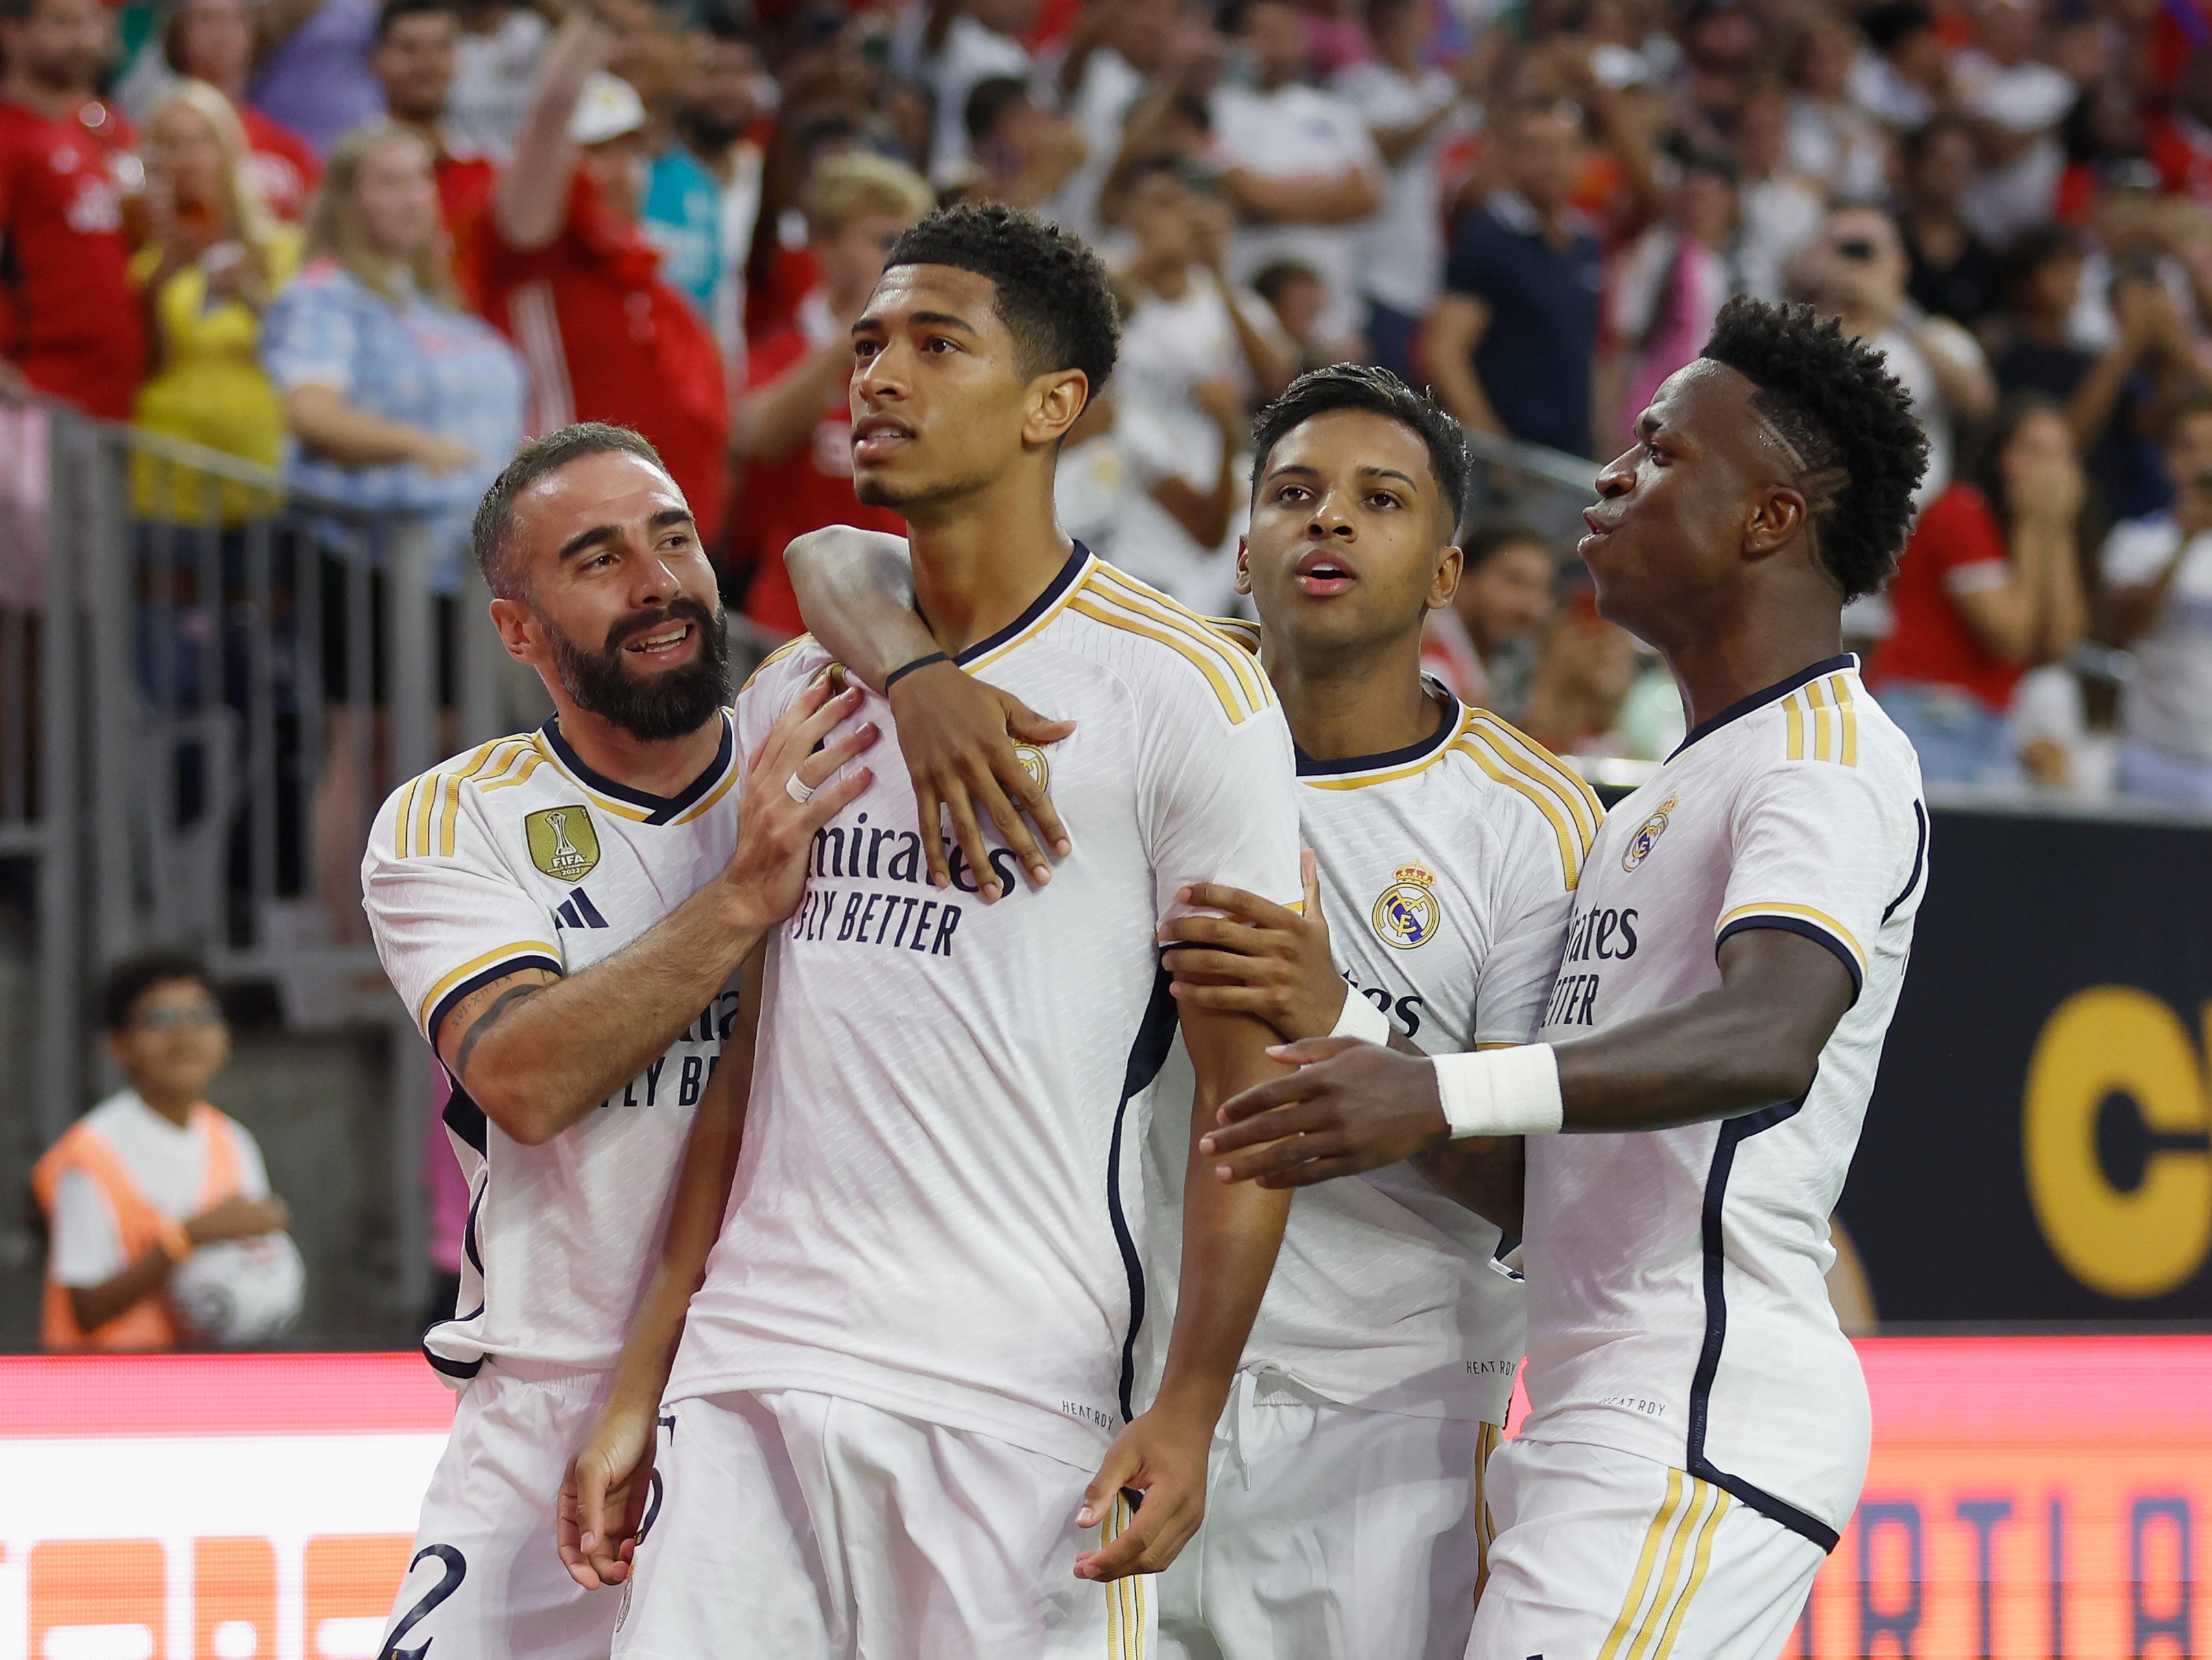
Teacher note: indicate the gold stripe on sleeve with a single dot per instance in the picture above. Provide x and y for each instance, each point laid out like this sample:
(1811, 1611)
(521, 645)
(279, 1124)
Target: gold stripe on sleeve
(1152, 603)
(1814, 701)
(1808, 912)
(406, 817)
(418, 838)
(1796, 727)
(1475, 747)
(1534, 761)
(520, 948)
(1654, 1536)
(1849, 710)
(1213, 668)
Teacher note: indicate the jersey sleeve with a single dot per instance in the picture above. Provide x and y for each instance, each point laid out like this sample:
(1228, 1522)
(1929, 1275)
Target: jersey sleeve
(1531, 900)
(2137, 550)
(1218, 796)
(86, 1248)
(448, 913)
(1821, 850)
(309, 337)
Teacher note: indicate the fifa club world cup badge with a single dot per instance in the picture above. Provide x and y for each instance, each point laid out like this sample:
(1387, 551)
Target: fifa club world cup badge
(1647, 836)
(1407, 914)
(562, 842)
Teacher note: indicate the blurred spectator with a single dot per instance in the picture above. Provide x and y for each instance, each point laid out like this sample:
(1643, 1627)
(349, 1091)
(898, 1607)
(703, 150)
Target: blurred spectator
(1197, 352)
(795, 423)
(415, 61)
(1511, 345)
(1989, 586)
(1856, 270)
(70, 325)
(1022, 154)
(1833, 140)
(1778, 208)
(210, 263)
(1117, 48)
(494, 60)
(212, 41)
(569, 278)
(1486, 646)
(1115, 494)
(721, 105)
(1669, 285)
(400, 402)
(152, 1175)
(1297, 163)
(1298, 301)
(2157, 575)
(2109, 396)
(1581, 683)
(314, 76)
(1954, 272)
(1903, 80)
(964, 42)
(1412, 111)
(2018, 104)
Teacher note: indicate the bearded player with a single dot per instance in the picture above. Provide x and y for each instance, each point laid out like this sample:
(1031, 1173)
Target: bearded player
(901, 1415)
(524, 901)
(1700, 1426)
(1345, 1512)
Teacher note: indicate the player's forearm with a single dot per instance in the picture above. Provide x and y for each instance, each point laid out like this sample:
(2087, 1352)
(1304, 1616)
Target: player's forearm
(1486, 1174)
(1717, 1055)
(1230, 1234)
(855, 592)
(548, 1058)
(94, 1306)
(531, 201)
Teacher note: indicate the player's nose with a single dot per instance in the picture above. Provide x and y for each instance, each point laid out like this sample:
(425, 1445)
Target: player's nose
(1618, 475)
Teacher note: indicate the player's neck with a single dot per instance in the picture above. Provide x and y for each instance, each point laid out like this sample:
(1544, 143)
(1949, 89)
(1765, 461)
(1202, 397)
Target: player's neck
(1718, 668)
(177, 1109)
(983, 562)
(662, 767)
(1367, 701)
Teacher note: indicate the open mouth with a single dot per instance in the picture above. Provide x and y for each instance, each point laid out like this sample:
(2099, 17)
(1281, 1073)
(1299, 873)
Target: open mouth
(659, 645)
(876, 436)
(1598, 531)
(1323, 576)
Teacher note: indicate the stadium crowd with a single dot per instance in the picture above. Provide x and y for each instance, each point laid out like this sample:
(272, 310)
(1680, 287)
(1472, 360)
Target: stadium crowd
(377, 246)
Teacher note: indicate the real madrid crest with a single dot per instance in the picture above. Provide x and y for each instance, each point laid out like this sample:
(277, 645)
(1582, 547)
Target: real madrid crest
(1407, 913)
(562, 842)
(1034, 763)
(1647, 834)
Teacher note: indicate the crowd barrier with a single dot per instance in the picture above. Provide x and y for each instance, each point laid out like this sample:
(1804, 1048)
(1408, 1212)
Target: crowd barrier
(2028, 1496)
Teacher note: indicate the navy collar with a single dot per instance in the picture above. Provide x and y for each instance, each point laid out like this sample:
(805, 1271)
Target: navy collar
(1759, 700)
(659, 809)
(1447, 729)
(1037, 607)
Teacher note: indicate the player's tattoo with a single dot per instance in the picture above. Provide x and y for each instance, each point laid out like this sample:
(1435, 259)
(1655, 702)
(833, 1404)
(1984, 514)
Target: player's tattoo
(506, 1000)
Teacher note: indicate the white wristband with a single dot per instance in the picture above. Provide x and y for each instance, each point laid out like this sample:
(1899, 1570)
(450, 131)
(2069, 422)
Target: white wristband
(1513, 1092)
(1360, 1019)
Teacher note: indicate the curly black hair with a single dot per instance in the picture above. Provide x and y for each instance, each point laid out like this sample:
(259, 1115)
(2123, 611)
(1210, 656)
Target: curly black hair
(134, 976)
(1055, 295)
(1834, 401)
(1362, 387)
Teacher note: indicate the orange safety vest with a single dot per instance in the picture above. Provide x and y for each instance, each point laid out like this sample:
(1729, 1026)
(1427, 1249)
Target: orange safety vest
(147, 1324)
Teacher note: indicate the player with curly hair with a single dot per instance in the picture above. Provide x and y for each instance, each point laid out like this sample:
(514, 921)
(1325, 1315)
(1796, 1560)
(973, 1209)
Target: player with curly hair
(1739, 937)
(897, 1413)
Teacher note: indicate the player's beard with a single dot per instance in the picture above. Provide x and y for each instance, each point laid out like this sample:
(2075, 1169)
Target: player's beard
(651, 708)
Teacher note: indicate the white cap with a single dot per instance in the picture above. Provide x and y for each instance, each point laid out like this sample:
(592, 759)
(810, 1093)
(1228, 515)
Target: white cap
(608, 108)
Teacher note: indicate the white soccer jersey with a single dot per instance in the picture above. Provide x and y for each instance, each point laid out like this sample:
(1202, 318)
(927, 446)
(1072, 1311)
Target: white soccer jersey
(937, 1208)
(1446, 870)
(518, 855)
(1676, 1308)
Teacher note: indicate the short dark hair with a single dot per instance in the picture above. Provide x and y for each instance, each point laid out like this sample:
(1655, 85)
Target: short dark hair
(1054, 294)
(134, 976)
(392, 11)
(491, 534)
(990, 99)
(1364, 387)
(1478, 548)
(1270, 280)
(1834, 401)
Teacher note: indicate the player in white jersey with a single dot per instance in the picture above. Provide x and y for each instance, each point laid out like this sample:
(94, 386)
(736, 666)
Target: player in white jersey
(1343, 1509)
(1699, 1427)
(899, 1416)
(566, 912)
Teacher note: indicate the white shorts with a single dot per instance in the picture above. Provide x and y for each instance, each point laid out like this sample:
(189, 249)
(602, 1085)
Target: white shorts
(1330, 1532)
(1602, 1555)
(823, 1530)
(485, 1579)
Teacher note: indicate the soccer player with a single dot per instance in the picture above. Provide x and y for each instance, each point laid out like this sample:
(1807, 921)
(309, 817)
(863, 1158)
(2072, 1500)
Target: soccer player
(1344, 1514)
(1700, 1426)
(901, 1419)
(524, 901)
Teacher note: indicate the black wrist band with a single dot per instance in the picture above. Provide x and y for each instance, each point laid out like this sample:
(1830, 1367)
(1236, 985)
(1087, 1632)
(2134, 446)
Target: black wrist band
(901, 672)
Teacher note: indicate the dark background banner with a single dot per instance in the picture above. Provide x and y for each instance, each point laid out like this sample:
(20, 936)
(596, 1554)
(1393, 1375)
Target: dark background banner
(2035, 1149)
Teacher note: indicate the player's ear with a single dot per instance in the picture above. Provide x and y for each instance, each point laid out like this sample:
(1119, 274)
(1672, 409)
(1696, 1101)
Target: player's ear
(1445, 582)
(1242, 581)
(1057, 401)
(517, 630)
(1779, 516)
